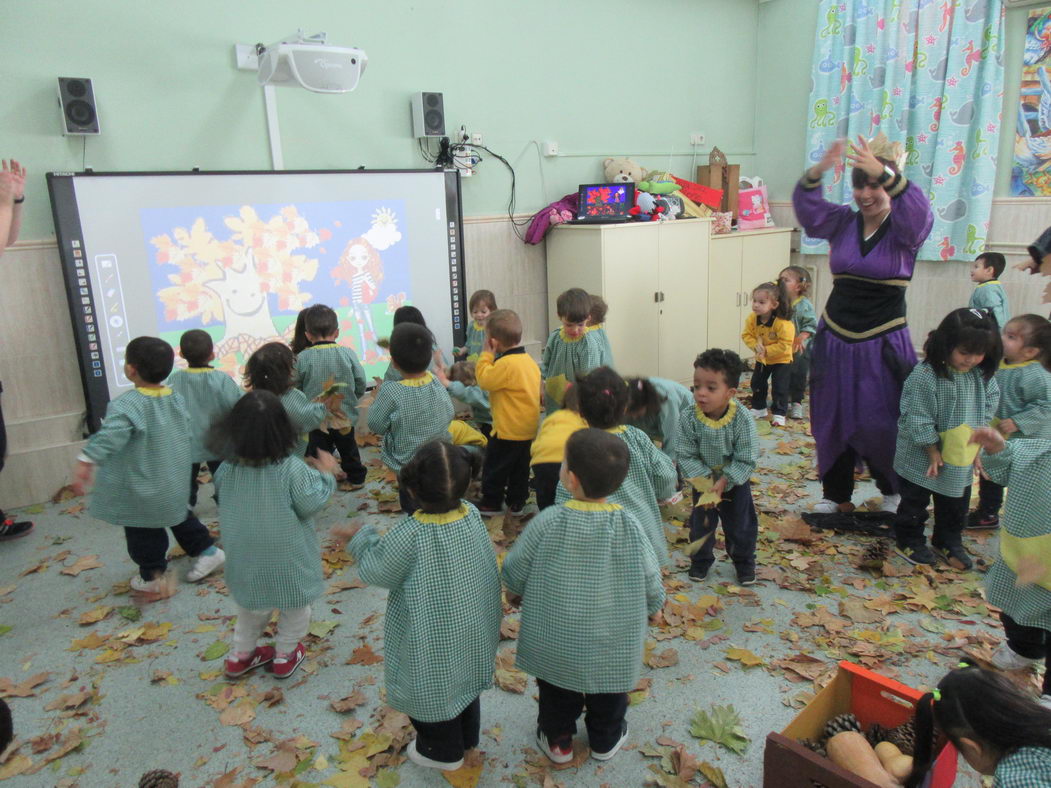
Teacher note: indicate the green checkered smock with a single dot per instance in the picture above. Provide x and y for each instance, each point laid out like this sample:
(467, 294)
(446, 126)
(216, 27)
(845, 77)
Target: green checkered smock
(1024, 466)
(474, 396)
(728, 446)
(651, 478)
(273, 557)
(142, 451)
(1026, 767)
(443, 611)
(664, 424)
(475, 343)
(990, 295)
(209, 395)
(605, 349)
(408, 413)
(317, 363)
(588, 579)
(304, 415)
(1025, 397)
(566, 361)
(804, 318)
(930, 407)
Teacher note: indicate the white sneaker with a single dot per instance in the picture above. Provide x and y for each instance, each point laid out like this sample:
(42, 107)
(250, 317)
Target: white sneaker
(1045, 701)
(205, 565)
(825, 506)
(145, 586)
(759, 414)
(430, 763)
(795, 411)
(778, 421)
(1006, 658)
(890, 503)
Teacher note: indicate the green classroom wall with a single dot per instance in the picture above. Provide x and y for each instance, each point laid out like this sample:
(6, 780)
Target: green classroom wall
(614, 78)
(786, 44)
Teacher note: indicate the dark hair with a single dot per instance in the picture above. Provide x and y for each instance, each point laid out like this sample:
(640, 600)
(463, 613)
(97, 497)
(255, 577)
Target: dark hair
(1037, 335)
(778, 293)
(603, 398)
(859, 178)
(980, 705)
(643, 395)
(320, 320)
(438, 475)
(411, 346)
(256, 431)
(196, 347)
(599, 459)
(993, 260)
(7, 725)
(299, 341)
(463, 372)
(598, 311)
(803, 275)
(725, 361)
(505, 326)
(409, 314)
(270, 368)
(574, 305)
(970, 330)
(152, 358)
(485, 297)
(571, 398)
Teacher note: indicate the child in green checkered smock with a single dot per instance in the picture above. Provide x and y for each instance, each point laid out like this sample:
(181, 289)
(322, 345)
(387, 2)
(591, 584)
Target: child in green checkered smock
(654, 405)
(651, 478)
(462, 384)
(481, 304)
(268, 497)
(142, 452)
(272, 368)
(596, 327)
(1025, 400)
(718, 448)
(571, 352)
(410, 314)
(995, 724)
(944, 399)
(588, 580)
(444, 609)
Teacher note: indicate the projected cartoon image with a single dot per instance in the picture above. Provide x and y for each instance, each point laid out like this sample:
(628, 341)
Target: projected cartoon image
(243, 273)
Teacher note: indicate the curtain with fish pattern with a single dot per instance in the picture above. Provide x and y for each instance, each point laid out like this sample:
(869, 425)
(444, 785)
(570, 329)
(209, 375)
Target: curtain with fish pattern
(928, 74)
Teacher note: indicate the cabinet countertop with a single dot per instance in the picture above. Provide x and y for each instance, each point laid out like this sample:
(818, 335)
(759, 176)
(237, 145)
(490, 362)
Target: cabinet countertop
(626, 225)
(747, 233)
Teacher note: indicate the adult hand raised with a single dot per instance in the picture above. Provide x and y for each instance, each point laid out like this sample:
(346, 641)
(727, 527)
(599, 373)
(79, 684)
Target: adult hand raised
(862, 157)
(12, 180)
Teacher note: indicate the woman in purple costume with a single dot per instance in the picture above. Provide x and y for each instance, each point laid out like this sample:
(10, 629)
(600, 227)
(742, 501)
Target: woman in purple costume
(862, 351)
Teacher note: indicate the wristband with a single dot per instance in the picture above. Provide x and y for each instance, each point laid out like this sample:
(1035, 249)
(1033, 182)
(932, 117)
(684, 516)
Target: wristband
(887, 175)
(19, 200)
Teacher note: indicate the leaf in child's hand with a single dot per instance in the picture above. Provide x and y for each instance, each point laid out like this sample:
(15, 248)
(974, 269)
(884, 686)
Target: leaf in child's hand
(1031, 569)
(693, 547)
(701, 484)
(722, 726)
(328, 388)
(708, 500)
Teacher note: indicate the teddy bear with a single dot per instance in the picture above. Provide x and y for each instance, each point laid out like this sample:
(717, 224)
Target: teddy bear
(622, 171)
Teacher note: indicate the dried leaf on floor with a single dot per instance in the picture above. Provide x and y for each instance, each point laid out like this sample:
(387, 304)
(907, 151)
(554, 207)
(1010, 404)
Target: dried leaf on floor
(82, 564)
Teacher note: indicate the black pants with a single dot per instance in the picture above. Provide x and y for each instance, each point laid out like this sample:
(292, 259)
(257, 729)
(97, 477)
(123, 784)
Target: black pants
(486, 429)
(505, 475)
(448, 740)
(949, 516)
(799, 375)
(838, 484)
(545, 482)
(1029, 642)
(603, 718)
(778, 375)
(148, 547)
(740, 528)
(349, 458)
(213, 466)
(990, 496)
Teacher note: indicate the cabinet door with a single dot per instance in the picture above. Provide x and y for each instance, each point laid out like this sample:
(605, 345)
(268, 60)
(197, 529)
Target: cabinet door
(574, 259)
(630, 282)
(683, 326)
(725, 314)
(763, 258)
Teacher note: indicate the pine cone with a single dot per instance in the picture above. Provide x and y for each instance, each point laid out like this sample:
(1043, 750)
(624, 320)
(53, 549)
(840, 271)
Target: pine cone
(815, 746)
(904, 737)
(876, 734)
(876, 554)
(159, 778)
(844, 722)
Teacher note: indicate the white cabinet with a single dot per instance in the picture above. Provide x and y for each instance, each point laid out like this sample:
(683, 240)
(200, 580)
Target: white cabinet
(738, 263)
(655, 278)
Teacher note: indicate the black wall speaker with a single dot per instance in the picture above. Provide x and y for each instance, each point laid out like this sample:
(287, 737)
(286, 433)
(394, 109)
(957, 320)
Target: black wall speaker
(77, 100)
(428, 115)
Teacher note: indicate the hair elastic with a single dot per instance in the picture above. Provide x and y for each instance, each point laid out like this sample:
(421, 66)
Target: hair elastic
(964, 665)
(606, 391)
(936, 694)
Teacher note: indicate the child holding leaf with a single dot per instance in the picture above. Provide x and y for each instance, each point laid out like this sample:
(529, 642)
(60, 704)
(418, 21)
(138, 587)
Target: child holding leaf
(718, 448)
(1020, 581)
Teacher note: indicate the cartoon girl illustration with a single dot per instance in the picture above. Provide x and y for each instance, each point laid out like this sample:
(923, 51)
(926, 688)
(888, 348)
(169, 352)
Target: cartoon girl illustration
(361, 267)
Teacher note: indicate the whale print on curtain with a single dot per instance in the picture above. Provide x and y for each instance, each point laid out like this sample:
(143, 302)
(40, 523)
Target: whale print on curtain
(929, 74)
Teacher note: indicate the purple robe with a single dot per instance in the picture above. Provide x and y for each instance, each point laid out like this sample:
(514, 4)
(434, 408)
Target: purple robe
(856, 386)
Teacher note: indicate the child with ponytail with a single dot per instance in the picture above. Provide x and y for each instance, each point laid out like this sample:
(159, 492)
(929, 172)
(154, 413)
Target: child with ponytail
(995, 726)
(272, 368)
(769, 332)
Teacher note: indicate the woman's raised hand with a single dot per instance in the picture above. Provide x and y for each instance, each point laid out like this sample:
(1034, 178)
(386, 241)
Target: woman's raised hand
(862, 157)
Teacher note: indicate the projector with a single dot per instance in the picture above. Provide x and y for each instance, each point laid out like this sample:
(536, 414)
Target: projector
(309, 62)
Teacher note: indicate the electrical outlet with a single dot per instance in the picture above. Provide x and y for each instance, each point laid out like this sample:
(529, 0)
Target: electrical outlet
(476, 139)
(551, 148)
(697, 138)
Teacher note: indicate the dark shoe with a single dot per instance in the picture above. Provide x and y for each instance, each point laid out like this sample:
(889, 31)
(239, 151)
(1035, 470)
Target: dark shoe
(917, 554)
(9, 529)
(605, 756)
(488, 511)
(979, 520)
(698, 575)
(954, 555)
(745, 577)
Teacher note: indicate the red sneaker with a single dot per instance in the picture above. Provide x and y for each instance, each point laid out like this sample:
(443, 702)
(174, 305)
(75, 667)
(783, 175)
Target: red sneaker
(238, 667)
(285, 665)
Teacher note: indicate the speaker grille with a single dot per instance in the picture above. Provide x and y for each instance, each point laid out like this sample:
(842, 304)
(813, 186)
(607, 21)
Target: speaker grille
(80, 112)
(76, 88)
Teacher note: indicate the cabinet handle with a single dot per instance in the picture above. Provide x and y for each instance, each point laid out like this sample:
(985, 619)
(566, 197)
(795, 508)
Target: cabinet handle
(738, 298)
(656, 298)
